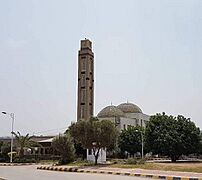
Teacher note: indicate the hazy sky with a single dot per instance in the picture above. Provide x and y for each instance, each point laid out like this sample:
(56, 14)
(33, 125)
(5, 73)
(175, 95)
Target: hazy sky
(146, 52)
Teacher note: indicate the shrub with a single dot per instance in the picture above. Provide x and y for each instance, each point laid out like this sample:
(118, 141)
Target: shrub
(63, 144)
(131, 161)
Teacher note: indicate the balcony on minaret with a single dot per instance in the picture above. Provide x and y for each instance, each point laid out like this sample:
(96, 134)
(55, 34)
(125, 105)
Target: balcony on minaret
(86, 44)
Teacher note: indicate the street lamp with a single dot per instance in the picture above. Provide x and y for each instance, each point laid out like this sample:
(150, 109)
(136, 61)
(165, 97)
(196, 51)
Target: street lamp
(142, 139)
(12, 115)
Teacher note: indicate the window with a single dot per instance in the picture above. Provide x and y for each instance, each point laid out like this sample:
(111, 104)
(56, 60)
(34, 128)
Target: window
(137, 122)
(82, 112)
(117, 121)
(83, 65)
(83, 95)
(124, 127)
(83, 80)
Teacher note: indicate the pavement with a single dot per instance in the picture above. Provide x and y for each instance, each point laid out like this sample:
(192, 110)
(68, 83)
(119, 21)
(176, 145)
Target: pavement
(30, 172)
(155, 174)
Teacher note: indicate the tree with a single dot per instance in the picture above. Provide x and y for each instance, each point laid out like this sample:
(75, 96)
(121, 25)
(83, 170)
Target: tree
(63, 144)
(94, 134)
(79, 150)
(24, 142)
(172, 136)
(5, 149)
(130, 140)
(200, 146)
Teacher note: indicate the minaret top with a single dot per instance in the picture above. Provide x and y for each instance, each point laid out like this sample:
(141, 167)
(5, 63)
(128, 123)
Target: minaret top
(86, 44)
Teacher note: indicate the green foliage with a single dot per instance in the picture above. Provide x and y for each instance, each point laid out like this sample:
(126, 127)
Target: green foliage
(24, 142)
(63, 144)
(131, 161)
(172, 136)
(24, 160)
(200, 145)
(1, 143)
(135, 161)
(130, 140)
(5, 149)
(94, 134)
(79, 150)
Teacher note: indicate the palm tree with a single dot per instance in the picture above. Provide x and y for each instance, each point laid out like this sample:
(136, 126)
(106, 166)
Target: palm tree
(24, 142)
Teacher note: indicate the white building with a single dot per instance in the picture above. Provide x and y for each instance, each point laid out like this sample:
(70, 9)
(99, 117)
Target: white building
(124, 115)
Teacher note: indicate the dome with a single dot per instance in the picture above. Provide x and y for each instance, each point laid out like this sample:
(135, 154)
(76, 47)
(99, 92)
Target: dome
(129, 108)
(110, 111)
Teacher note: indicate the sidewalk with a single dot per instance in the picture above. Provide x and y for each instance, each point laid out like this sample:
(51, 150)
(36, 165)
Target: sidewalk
(169, 175)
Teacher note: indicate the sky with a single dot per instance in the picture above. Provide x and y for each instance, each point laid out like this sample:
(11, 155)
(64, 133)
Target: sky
(146, 52)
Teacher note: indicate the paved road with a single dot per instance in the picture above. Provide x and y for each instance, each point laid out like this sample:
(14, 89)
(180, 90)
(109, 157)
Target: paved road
(31, 173)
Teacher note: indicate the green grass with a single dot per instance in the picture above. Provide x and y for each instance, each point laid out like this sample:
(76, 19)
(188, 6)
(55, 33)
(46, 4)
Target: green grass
(163, 166)
(183, 167)
(189, 167)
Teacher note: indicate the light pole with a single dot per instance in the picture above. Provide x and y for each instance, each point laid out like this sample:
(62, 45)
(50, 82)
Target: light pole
(12, 115)
(142, 139)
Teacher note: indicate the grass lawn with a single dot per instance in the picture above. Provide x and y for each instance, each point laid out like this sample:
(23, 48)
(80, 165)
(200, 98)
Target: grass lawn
(180, 166)
(163, 166)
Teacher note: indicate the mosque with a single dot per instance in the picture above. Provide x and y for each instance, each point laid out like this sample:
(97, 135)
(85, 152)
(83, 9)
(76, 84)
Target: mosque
(123, 115)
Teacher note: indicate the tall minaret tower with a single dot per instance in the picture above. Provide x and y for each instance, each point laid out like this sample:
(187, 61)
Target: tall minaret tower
(85, 106)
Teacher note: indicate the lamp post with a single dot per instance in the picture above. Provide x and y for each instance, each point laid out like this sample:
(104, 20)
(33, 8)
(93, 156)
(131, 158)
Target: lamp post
(12, 115)
(142, 139)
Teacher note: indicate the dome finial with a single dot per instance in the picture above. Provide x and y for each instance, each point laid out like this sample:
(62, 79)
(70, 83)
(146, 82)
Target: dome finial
(111, 103)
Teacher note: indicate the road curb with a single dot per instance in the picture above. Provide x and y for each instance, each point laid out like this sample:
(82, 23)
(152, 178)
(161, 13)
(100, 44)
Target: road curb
(16, 164)
(116, 173)
(22, 164)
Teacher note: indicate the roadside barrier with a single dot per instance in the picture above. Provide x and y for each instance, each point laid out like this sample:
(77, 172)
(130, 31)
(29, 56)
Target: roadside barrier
(115, 173)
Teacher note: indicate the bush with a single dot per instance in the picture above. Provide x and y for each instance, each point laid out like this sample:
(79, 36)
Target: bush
(24, 160)
(63, 144)
(131, 161)
(141, 161)
(5, 149)
(135, 161)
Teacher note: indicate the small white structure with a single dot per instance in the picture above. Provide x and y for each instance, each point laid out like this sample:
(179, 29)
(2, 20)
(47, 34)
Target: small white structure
(101, 156)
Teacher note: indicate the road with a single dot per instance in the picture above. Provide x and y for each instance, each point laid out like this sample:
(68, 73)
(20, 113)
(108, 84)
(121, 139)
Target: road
(31, 173)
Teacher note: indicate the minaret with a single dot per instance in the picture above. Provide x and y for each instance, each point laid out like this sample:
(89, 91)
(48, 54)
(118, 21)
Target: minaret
(85, 106)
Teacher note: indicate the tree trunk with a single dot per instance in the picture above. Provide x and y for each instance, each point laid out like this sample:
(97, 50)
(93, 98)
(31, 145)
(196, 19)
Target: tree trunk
(96, 154)
(174, 158)
(96, 158)
(21, 153)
